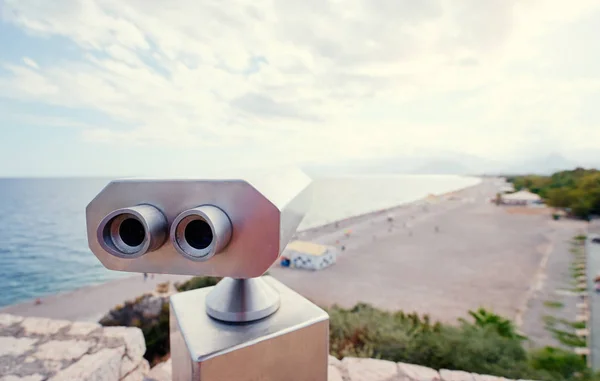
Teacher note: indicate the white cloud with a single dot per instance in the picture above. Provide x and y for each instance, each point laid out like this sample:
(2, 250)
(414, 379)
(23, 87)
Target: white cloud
(301, 79)
(50, 121)
(31, 63)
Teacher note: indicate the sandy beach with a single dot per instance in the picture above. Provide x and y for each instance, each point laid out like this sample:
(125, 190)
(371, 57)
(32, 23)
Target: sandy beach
(442, 257)
(90, 303)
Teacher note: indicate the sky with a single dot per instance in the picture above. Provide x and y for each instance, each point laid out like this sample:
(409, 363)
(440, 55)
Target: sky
(149, 87)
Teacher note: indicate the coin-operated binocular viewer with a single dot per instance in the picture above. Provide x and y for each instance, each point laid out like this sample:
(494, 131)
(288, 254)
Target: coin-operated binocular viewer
(247, 327)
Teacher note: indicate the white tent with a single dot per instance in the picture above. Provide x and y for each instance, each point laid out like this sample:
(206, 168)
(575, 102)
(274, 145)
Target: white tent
(507, 188)
(522, 197)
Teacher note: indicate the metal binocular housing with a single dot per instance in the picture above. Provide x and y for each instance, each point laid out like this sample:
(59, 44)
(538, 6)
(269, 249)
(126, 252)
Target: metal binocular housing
(226, 228)
(248, 326)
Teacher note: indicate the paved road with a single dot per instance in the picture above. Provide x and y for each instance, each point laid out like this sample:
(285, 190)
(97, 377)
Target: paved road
(555, 284)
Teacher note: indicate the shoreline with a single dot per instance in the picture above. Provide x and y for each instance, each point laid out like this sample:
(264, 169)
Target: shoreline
(405, 205)
(57, 305)
(89, 303)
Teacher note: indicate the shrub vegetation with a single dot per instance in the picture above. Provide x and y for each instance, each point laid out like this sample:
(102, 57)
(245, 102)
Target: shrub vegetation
(485, 343)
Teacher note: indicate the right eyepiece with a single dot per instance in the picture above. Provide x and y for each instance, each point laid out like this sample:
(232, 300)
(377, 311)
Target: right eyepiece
(201, 232)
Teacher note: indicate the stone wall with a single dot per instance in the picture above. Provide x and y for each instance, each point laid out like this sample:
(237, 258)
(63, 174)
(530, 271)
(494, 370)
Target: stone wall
(355, 369)
(38, 349)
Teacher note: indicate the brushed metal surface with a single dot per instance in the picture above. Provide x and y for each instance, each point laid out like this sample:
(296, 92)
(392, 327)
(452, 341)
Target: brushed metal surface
(242, 300)
(153, 224)
(291, 344)
(264, 214)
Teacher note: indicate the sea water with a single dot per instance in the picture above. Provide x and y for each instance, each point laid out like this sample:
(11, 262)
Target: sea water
(43, 245)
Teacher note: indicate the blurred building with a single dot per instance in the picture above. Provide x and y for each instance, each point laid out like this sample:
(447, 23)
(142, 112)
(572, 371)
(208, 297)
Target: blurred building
(522, 197)
(308, 255)
(507, 188)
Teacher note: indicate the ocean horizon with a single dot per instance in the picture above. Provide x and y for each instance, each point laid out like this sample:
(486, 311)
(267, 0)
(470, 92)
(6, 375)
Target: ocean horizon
(43, 245)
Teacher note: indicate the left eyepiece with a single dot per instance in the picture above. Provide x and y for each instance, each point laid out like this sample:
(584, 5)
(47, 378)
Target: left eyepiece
(133, 232)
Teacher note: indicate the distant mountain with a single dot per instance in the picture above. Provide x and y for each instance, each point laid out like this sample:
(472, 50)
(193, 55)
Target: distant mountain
(458, 164)
(447, 163)
(466, 164)
(588, 158)
(544, 165)
(443, 167)
(416, 164)
(397, 164)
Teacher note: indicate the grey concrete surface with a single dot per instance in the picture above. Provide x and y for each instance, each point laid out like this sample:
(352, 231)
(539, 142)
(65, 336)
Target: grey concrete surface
(555, 284)
(593, 270)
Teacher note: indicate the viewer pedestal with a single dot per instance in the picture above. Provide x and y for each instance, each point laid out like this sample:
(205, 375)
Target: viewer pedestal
(291, 344)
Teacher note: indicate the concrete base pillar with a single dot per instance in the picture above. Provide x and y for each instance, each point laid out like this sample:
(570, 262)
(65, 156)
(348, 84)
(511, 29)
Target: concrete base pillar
(292, 344)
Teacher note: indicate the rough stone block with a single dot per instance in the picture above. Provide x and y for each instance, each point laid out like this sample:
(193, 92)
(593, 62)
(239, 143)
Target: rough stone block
(133, 338)
(42, 326)
(370, 369)
(6, 320)
(455, 375)
(15, 346)
(333, 373)
(161, 372)
(411, 372)
(334, 361)
(33, 377)
(584, 332)
(34, 365)
(139, 373)
(485, 377)
(83, 328)
(127, 365)
(100, 366)
(63, 350)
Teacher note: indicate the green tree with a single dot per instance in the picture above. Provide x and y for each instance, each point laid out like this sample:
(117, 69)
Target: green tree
(578, 190)
(560, 197)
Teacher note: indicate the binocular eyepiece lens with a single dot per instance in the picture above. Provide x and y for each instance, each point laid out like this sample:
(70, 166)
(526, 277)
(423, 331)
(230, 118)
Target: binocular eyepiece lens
(132, 232)
(197, 234)
(200, 233)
